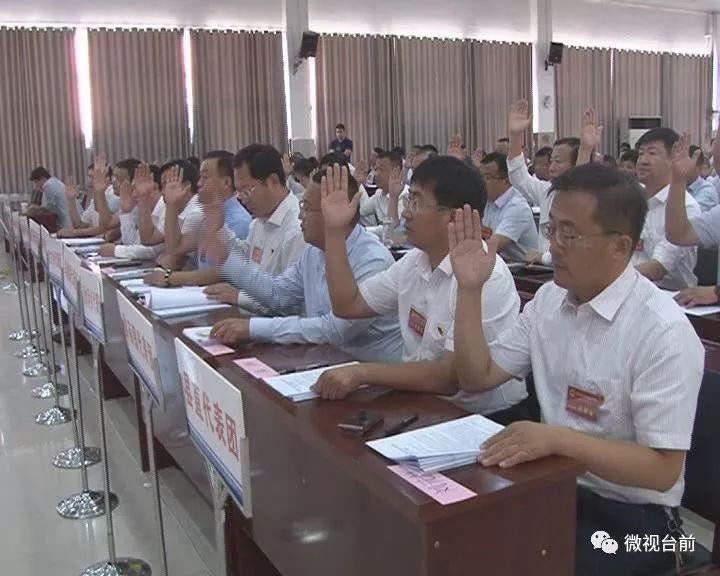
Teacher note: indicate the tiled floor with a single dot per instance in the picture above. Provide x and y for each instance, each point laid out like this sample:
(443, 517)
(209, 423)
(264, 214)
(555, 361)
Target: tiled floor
(35, 539)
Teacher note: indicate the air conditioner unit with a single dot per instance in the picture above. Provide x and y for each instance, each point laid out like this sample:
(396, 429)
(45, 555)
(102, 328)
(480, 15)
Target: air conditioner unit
(633, 128)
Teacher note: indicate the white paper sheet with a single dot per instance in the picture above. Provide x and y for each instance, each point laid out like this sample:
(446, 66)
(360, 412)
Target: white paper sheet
(296, 386)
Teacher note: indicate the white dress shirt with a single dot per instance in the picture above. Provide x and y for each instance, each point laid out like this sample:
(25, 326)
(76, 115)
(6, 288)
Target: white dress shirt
(534, 190)
(415, 292)
(633, 346)
(678, 261)
(91, 216)
(276, 242)
(131, 246)
(511, 216)
(374, 209)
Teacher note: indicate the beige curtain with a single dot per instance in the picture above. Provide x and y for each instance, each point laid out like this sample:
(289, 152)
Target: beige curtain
(583, 80)
(502, 74)
(138, 94)
(38, 106)
(687, 94)
(434, 91)
(355, 85)
(239, 90)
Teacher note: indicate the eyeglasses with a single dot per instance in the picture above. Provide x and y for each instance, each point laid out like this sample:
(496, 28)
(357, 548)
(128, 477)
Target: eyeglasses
(304, 208)
(414, 205)
(565, 240)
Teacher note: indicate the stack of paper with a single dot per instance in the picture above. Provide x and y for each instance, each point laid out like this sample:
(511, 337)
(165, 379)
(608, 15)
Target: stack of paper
(440, 447)
(296, 385)
(169, 302)
(107, 260)
(201, 336)
(93, 241)
(132, 274)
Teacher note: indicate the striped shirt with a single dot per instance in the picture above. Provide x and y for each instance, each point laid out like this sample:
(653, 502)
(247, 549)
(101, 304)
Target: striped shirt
(534, 190)
(633, 346)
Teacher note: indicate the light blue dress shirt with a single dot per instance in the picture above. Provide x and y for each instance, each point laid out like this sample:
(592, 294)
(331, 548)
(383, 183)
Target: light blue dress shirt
(704, 193)
(237, 218)
(54, 200)
(511, 216)
(302, 289)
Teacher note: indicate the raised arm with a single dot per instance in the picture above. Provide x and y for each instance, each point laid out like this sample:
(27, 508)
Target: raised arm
(176, 243)
(678, 229)
(590, 137)
(71, 193)
(339, 213)
(99, 186)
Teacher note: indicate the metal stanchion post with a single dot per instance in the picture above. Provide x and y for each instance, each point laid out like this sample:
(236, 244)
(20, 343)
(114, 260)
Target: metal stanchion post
(148, 404)
(219, 496)
(113, 566)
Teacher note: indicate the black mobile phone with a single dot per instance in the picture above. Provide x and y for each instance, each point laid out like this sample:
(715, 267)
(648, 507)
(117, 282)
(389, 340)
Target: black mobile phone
(361, 423)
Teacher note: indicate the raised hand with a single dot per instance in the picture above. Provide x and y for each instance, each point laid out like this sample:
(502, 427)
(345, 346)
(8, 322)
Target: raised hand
(337, 209)
(287, 165)
(126, 197)
(71, 190)
(591, 133)
(361, 171)
(519, 118)
(173, 190)
(683, 165)
(477, 156)
(396, 182)
(472, 264)
(455, 147)
(100, 169)
(143, 182)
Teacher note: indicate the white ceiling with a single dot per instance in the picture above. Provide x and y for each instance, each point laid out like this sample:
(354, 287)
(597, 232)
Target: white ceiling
(683, 5)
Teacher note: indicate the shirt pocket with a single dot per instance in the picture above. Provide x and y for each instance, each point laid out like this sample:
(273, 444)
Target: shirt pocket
(435, 337)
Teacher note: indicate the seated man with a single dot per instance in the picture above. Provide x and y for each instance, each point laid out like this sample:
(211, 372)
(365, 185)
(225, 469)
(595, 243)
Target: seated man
(275, 239)
(536, 191)
(302, 289)
(135, 200)
(671, 267)
(508, 217)
(386, 204)
(51, 193)
(617, 366)
(703, 191)
(421, 289)
(628, 163)
(87, 224)
(541, 164)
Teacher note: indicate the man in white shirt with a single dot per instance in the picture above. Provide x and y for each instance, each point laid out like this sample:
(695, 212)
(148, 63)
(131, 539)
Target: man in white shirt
(703, 191)
(87, 223)
(420, 288)
(537, 192)
(655, 257)
(507, 217)
(385, 205)
(617, 367)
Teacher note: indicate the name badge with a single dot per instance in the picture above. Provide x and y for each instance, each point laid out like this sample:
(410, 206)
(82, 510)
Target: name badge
(584, 404)
(487, 233)
(640, 246)
(256, 255)
(416, 322)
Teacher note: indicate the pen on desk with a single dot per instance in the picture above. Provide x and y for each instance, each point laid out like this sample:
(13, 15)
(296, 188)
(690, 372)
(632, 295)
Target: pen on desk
(304, 368)
(400, 426)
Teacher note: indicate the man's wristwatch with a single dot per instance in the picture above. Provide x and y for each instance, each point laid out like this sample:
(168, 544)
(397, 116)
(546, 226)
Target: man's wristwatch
(168, 273)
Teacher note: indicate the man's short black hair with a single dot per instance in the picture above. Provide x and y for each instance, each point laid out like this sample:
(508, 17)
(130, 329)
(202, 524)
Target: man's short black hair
(574, 144)
(621, 203)
(504, 139)
(429, 148)
(108, 173)
(667, 136)
(453, 182)
(378, 150)
(224, 163)
(305, 166)
(353, 186)
(331, 159)
(393, 157)
(625, 145)
(629, 156)
(399, 150)
(544, 152)
(263, 161)
(500, 160)
(339, 126)
(39, 173)
(129, 164)
(189, 172)
(701, 157)
(195, 161)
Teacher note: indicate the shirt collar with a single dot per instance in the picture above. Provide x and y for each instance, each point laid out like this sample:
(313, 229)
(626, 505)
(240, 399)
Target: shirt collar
(660, 197)
(505, 197)
(699, 182)
(608, 302)
(278, 215)
(425, 271)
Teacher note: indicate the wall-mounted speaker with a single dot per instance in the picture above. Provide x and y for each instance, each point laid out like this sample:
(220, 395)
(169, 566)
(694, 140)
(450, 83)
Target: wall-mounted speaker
(309, 44)
(555, 53)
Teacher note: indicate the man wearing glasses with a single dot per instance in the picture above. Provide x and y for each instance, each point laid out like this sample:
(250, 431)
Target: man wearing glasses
(617, 366)
(420, 288)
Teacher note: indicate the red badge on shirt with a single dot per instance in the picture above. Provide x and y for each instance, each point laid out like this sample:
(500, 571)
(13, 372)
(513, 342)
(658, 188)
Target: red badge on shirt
(416, 322)
(583, 404)
(640, 246)
(486, 233)
(257, 254)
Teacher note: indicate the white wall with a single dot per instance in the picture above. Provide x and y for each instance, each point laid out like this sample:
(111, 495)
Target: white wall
(578, 22)
(610, 25)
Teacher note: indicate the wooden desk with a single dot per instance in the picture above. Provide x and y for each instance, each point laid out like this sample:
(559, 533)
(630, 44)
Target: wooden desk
(324, 504)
